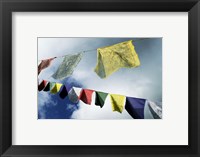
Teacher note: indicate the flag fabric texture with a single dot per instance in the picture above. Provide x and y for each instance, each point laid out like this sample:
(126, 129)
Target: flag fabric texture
(44, 64)
(56, 88)
(49, 86)
(114, 57)
(100, 98)
(67, 66)
(155, 109)
(86, 96)
(42, 85)
(117, 102)
(135, 107)
(73, 94)
(63, 93)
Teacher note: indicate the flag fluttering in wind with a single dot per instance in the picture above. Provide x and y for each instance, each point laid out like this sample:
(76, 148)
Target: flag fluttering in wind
(73, 94)
(100, 98)
(44, 64)
(114, 57)
(63, 93)
(56, 88)
(42, 85)
(86, 96)
(67, 66)
(155, 110)
(117, 102)
(135, 107)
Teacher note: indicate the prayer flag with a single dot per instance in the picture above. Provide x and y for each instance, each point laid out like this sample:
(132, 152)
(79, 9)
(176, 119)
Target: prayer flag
(100, 98)
(114, 57)
(155, 109)
(67, 66)
(56, 88)
(44, 64)
(63, 92)
(42, 85)
(77, 90)
(117, 102)
(74, 94)
(86, 96)
(135, 107)
(49, 86)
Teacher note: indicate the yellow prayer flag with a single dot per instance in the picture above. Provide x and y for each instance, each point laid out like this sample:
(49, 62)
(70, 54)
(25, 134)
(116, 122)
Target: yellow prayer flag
(117, 102)
(56, 88)
(114, 57)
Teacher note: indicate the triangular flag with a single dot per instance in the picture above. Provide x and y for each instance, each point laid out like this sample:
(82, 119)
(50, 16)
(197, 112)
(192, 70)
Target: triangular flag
(63, 92)
(56, 88)
(155, 110)
(100, 98)
(114, 57)
(42, 85)
(49, 86)
(77, 90)
(86, 96)
(117, 102)
(74, 94)
(135, 107)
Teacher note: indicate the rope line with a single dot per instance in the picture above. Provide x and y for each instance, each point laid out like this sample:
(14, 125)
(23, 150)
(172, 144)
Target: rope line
(92, 49)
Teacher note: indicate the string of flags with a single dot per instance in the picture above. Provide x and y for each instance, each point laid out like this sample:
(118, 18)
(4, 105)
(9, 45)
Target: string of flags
(134, 106)
(122, 55)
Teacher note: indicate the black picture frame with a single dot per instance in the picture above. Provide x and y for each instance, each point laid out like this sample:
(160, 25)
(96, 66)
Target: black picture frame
(9, 6)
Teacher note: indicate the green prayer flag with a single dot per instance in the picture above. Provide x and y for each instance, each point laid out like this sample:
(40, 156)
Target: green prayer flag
(49, 86)
(100, 98)
(67, 66)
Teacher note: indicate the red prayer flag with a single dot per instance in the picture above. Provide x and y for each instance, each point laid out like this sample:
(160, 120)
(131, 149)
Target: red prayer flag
(86, 96)
(44, 64)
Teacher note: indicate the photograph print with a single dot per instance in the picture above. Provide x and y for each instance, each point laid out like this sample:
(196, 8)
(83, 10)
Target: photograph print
(89, 78)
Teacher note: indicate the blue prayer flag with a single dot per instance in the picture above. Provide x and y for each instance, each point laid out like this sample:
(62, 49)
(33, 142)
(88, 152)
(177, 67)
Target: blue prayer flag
(135, 107)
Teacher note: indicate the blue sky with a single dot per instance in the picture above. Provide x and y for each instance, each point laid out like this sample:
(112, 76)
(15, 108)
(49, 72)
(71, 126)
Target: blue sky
(144, 81)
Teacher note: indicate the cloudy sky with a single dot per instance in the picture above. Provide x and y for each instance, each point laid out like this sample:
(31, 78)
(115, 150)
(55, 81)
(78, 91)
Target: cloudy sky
(144, 81)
